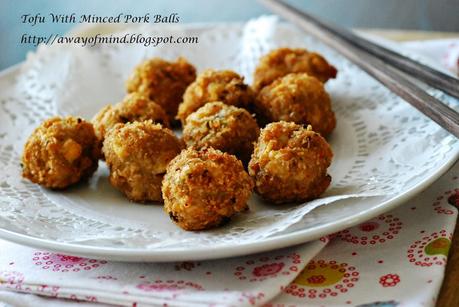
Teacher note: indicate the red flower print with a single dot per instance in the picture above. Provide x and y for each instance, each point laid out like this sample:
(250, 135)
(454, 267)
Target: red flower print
(186, 265)
(65, 263)
(66, 258)
(430, 250)
(389, 280)
(264, 267)
(322, 279)
(316, 279)
(368, 226)
(376, 231)
(268, 269)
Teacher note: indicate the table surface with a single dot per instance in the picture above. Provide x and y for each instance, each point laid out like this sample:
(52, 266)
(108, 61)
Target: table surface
(449, 293)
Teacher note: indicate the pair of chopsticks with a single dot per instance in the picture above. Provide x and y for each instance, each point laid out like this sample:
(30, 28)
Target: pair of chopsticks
(386, 66)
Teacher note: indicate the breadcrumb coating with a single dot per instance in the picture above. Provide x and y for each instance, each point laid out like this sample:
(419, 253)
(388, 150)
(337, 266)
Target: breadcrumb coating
(134, 107)
(204, 188)
(137, 155)
(227, 128)
(215, 85)
(298, 98)
(61, 152)
(283, 61)
(163, 82)
(289, 163)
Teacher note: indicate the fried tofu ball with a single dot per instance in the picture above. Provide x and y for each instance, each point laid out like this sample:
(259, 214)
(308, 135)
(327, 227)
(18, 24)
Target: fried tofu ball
(137, 155)
(163, 82)
(290, 163)
(215, 85)
(227, 128)
(283, 61)
(205, 188)
(61, 152)
(134, 107)
(296, 98)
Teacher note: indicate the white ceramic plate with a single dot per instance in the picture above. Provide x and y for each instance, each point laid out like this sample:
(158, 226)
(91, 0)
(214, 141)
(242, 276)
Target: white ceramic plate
(385, 153)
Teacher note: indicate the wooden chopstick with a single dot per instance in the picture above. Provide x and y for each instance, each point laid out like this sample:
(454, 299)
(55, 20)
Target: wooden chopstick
(422, 72)
(377, 68)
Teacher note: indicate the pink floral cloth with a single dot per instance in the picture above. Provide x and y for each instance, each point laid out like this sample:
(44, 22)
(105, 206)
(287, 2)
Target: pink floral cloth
(395, 259)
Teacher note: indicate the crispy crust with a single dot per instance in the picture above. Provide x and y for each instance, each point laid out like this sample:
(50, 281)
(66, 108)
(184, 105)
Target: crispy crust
(162, 81)
(60, 152)
(297, 98)
(137, 154)
(227, 128)
(290, 163)
(212, 85)
(205, 188)
(134, 107)
(283, 61)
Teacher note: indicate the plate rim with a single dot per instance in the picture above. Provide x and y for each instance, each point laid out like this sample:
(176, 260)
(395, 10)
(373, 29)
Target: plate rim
(205, 253)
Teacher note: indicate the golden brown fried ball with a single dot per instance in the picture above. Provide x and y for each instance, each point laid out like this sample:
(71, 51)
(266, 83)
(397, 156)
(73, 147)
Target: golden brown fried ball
(215, 85)
(227, 128)
(163, 82)
(204, 188)
(137, 155)
(290, 163)
(134, 107)
(60, 152)
(297, 98)
(283, 61)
